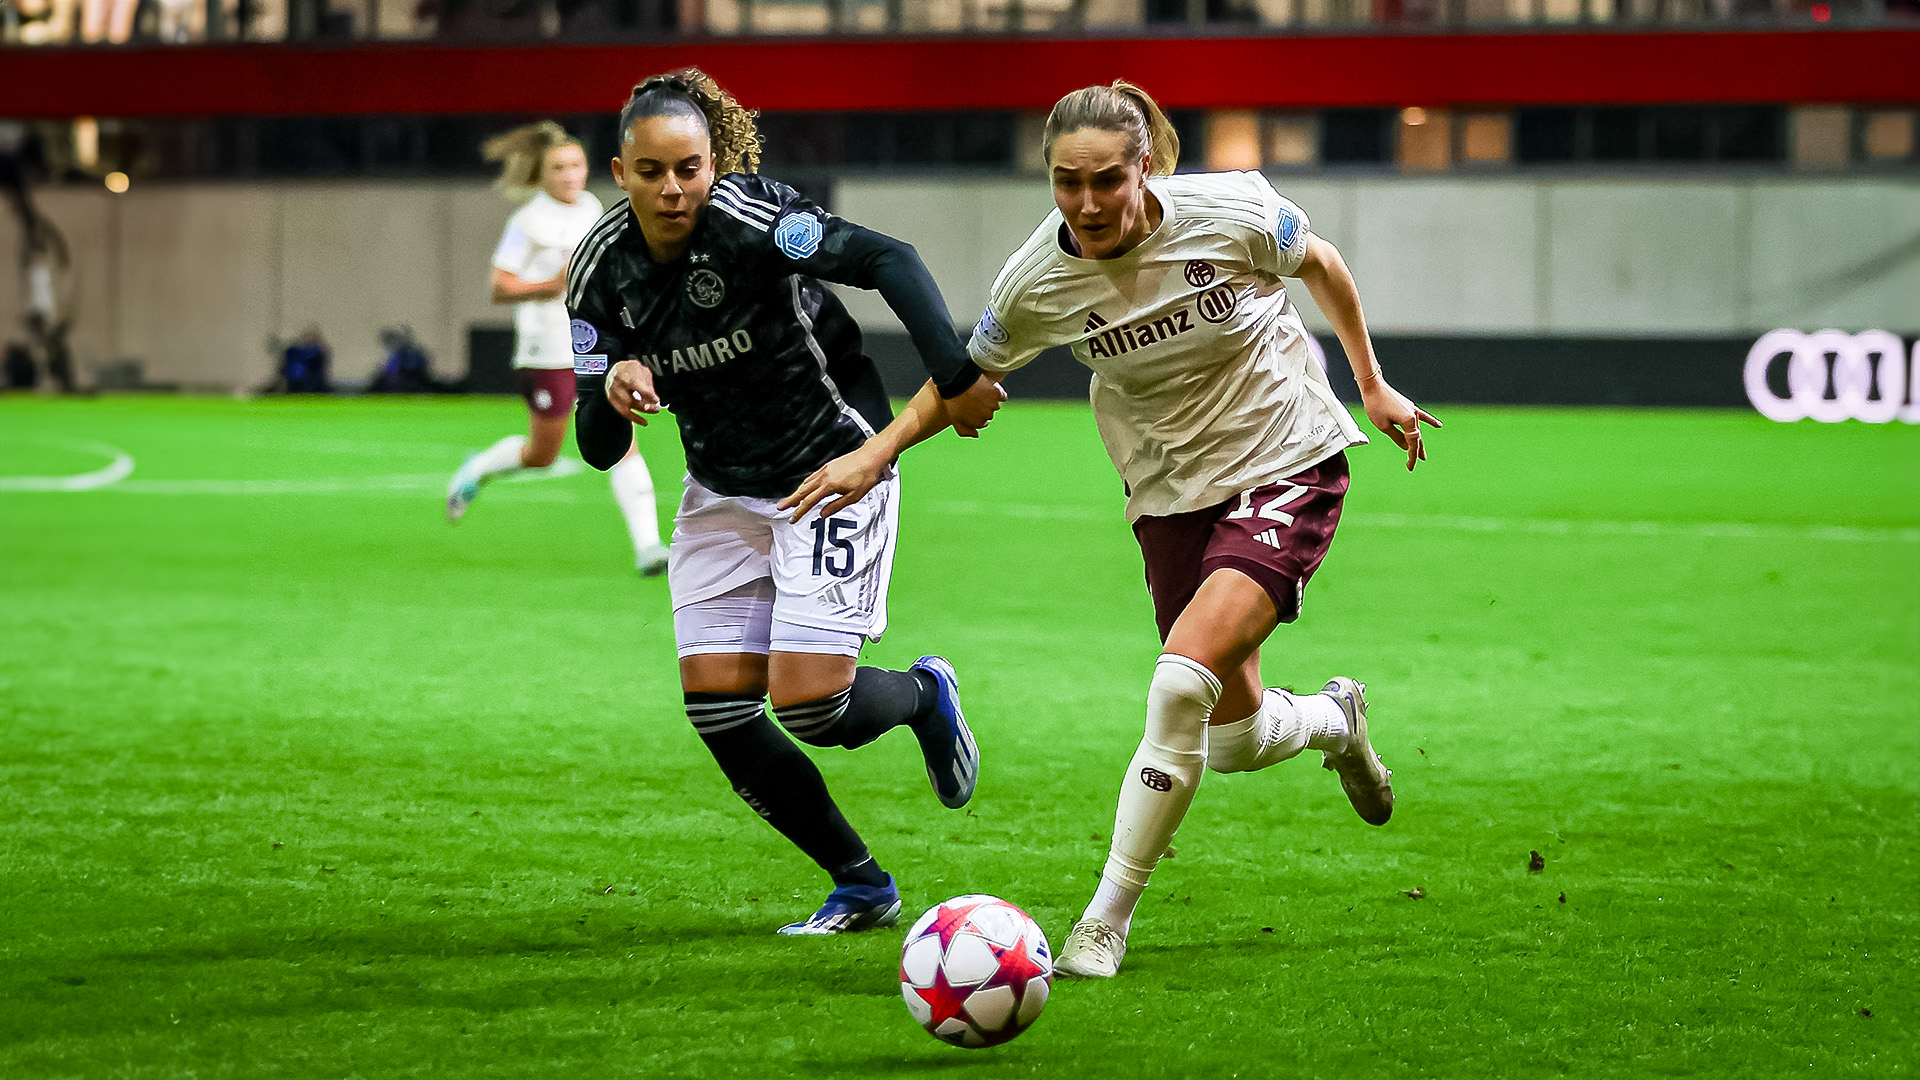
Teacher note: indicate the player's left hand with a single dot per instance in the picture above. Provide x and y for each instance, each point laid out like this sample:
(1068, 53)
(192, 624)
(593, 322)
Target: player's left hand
(1397, 417)
(846, 480)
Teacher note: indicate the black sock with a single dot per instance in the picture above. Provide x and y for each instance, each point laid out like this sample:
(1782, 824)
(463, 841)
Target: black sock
(866, 873)
(780, 783)
(878, 701)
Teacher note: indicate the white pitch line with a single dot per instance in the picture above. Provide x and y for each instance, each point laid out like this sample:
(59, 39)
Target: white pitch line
(116, 470)
(1715, 530)
(396, 483)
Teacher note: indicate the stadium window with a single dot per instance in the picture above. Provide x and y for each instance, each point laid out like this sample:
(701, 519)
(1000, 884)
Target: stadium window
(1821, 137)
(1486, 139)
(1679, 134)
(1233, 140)
(1191, 126)
(1887, 136)
(1426, 140)
(1545, 135)
(1754, 133)
(1292, 140)
(1357, 136)
(1616, 134)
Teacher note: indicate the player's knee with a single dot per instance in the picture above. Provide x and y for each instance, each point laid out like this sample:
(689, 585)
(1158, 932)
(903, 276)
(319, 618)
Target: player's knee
(816, 722)
(537, 456)
(1185, 686)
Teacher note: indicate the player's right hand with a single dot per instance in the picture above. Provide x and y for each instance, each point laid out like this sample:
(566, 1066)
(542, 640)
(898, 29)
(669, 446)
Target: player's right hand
(973, 409)
(630, 391)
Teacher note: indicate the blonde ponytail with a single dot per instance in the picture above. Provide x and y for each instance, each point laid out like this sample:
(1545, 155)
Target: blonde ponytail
(1122, 108)
(522, 154)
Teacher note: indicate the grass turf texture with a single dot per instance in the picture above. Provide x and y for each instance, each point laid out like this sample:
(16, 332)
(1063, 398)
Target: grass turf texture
(301, 782)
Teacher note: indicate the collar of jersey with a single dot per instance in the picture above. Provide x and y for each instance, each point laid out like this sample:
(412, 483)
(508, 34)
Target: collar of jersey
(1127, 260)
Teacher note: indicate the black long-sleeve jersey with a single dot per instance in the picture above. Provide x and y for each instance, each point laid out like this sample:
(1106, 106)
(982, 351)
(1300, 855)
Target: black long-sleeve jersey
(759, 362)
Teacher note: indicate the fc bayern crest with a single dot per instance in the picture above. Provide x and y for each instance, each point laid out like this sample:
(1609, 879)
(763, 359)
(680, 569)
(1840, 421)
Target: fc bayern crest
(585, 337)
(705, 288)
(1200, 273)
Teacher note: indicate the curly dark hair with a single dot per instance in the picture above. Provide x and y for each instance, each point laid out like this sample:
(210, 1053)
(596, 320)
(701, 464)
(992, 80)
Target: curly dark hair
(690, 91)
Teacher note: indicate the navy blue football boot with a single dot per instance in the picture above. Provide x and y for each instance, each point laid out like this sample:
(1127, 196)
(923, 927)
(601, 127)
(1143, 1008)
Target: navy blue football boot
(953, 759)
(850, 909)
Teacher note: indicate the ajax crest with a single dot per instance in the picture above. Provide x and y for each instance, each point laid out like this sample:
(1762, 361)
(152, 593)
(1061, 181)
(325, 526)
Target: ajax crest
(705, 288)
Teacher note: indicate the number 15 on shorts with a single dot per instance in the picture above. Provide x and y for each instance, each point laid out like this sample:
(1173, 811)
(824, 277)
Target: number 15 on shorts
(832, 551)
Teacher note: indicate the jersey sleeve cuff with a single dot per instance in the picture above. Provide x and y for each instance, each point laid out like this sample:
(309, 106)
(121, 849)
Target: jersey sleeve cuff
(965, 378)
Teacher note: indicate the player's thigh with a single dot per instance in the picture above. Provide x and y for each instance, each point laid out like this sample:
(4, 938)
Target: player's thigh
(831, 574)
(723, 640)
(1172, 550)
(720, 543)
(1223, 625)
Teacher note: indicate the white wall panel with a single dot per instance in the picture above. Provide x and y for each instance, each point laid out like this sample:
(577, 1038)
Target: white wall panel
(964, 230)
(1445, 256)
(1647, 258)
(358, 257)
(197, 279)
(1836, 255)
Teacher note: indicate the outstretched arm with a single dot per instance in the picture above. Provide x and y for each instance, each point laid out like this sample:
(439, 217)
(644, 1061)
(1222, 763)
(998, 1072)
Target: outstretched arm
(846, 479)
(1332, 286)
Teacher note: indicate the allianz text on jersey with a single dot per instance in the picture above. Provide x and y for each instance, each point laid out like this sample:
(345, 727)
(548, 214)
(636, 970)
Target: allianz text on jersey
(1832, 375)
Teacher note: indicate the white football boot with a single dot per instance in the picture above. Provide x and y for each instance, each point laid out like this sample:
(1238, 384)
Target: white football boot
(652, 560)
(463, 489)
(1092, 951)
(1363, 776)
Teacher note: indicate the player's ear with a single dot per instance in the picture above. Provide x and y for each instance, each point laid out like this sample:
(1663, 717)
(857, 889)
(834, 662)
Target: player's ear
(620, 173)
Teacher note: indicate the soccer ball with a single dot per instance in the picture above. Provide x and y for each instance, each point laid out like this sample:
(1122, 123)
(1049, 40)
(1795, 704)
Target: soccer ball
(975, 971)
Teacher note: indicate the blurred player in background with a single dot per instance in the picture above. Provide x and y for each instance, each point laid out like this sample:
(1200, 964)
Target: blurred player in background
(530, 272)
(1229, 438)
(702, 293)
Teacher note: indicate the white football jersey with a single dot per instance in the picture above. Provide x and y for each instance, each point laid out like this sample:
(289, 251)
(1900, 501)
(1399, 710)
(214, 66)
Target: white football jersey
(539, 239)
(1203, 383)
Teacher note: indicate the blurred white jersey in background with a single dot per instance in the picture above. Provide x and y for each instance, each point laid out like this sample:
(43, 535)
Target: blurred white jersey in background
(540, 237)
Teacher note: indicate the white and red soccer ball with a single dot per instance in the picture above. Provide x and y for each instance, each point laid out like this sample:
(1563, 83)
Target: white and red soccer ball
(975, 971)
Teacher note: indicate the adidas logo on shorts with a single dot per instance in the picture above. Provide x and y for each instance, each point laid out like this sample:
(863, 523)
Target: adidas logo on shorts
(831, 596)
(1271, 538)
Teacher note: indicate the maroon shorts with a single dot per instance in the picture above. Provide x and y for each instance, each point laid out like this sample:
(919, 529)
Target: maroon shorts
(1276, 534)
(549, 391)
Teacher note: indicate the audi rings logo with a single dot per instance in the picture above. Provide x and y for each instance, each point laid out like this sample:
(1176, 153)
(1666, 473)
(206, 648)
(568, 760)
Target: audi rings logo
(1831, 375)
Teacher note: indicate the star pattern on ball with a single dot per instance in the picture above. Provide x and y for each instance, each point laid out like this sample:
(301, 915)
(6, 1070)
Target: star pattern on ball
(949, 922)
(1017, 968)
(944, 999)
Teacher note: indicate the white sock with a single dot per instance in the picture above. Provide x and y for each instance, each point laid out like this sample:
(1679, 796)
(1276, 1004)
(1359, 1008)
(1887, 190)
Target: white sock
(1159, 784)
(500, 458)
(1285, 725)
(633, 490)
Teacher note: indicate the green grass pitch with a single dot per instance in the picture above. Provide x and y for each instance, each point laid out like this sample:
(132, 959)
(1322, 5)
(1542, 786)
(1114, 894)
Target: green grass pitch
(301, 782)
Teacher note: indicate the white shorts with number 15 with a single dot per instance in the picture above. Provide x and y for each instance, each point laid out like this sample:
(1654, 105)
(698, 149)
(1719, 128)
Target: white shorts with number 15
(744, 579)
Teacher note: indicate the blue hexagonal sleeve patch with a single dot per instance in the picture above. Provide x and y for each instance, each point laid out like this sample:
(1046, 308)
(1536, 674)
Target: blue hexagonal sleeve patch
(798, 235)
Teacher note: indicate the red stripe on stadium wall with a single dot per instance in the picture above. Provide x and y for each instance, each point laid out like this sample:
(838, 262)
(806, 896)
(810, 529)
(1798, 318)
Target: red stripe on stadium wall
(1859, 66)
